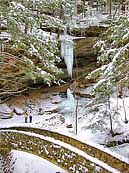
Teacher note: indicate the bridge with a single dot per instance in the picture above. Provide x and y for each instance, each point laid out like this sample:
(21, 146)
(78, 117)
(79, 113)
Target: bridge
(64, 151)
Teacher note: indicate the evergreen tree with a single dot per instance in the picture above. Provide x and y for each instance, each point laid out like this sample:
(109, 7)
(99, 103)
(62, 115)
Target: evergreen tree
(33, 51)
(114, 57)
(7, 161)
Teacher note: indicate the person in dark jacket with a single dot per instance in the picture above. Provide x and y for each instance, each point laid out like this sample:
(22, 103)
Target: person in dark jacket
(30, 118)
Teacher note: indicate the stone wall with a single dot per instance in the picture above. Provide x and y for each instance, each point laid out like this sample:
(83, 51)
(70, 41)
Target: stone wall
(92, 151)
(61, 156)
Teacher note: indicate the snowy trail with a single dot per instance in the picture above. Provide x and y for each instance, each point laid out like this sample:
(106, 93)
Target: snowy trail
(74, 146)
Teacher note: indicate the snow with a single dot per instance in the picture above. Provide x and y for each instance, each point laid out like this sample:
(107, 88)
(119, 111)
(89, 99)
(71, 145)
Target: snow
(43, 117)
(93, 20)
(93, 127)
(68, 107)
(121, 149)
(5, 36)
(4, 108)
(69, 103)
(71, 148)
(18, 6)
(33, 164)
(67, 53)
(115, 59)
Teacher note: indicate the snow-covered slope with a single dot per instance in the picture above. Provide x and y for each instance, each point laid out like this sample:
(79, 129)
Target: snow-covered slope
(33, 164)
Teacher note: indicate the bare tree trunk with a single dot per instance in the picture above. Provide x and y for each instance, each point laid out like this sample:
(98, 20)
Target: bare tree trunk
(110, 117)
(117, 8)
(26, 19)
(76, 123)
(83, 8)
(123, 6)
(117, 104)
(26, 26)
(0, 25)
(61, 12)
(110, 8)
(126, 121)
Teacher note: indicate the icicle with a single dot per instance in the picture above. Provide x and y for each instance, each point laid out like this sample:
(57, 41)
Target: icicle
(68, 104)
(68, 108)
(67, 51)
(69, 57)
(69, 95)
(67, 54)
(62, 49)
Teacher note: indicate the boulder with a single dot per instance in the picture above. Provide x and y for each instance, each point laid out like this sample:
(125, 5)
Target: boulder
(5, 111)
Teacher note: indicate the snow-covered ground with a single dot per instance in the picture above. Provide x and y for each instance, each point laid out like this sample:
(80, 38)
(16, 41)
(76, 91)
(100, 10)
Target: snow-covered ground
(33, 164)
(49, 112)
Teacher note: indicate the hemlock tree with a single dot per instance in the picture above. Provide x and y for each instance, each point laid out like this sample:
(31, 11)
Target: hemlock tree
(32, 53)
(7, 161)
(114, 57)
(113, 75)
(26, 42)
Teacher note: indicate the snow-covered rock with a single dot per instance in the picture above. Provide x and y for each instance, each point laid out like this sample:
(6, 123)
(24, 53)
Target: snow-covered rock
(5, 111)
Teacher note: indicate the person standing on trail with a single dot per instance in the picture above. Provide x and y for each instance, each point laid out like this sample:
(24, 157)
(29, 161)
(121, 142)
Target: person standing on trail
(30, 109)
(26, 116)
(30, 118)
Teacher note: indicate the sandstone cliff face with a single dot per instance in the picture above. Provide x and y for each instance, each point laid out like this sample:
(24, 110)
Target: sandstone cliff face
(86, 57)
(84, 52)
